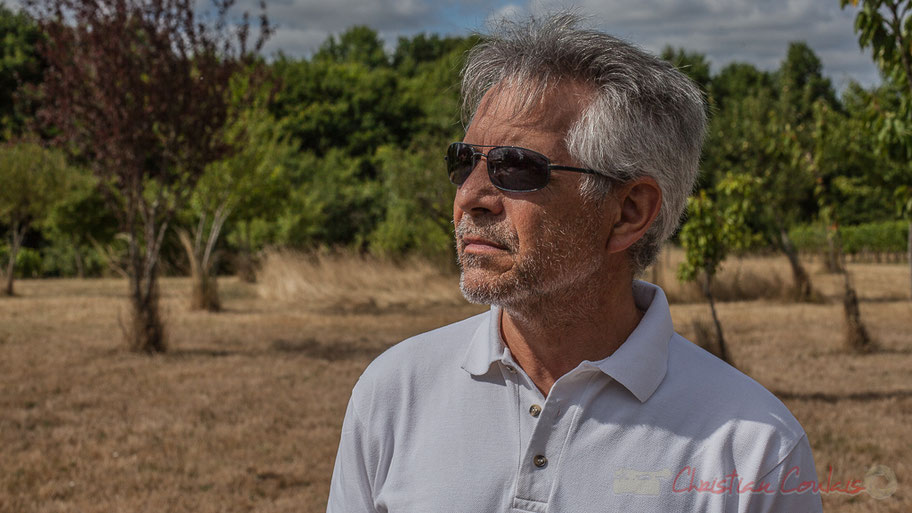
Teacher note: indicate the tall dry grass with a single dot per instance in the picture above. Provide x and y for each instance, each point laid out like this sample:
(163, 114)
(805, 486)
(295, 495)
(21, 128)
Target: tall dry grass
(744, 278)
(350, 282)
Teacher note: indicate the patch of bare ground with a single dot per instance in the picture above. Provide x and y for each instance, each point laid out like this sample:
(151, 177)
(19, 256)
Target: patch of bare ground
(244, 412)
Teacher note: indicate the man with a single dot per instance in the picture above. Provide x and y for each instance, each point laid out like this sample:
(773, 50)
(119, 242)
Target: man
(573, 393)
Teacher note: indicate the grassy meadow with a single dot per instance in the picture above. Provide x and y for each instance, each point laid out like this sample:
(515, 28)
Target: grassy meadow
(244, 412)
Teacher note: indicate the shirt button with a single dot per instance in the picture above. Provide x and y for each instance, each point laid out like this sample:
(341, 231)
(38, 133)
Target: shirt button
(535, 410)
(540, 461)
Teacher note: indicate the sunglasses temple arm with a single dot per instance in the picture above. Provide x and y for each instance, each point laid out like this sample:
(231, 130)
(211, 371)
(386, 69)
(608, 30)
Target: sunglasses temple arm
(569, 168)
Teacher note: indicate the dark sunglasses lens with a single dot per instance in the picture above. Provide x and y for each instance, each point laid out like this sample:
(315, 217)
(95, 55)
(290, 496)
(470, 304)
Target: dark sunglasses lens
(517, 169)
(460, 162)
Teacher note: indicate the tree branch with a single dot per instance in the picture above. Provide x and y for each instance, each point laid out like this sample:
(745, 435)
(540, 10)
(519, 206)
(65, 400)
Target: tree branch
(218, 220)
(896, 23)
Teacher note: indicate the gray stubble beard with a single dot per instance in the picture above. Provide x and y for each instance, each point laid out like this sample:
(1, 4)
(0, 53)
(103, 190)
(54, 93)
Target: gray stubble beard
(524, 288)
(489, 292)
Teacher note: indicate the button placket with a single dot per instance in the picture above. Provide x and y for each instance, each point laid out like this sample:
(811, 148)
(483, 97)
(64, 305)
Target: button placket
(542, 454)
(536, 475)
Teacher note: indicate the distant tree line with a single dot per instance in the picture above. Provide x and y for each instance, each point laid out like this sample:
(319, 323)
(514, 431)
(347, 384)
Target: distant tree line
(343, 148)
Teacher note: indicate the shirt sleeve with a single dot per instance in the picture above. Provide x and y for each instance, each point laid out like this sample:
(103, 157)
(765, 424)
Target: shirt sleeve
(351, 487)
(796, 485)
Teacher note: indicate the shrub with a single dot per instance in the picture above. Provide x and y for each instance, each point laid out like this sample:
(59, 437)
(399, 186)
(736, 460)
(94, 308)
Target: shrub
(28, 262)
(880, 237)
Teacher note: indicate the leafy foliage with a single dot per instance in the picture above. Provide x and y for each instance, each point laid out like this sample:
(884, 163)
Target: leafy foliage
(885, 26)
(345, 150)
(32, 179)
(138, 90)
(714, 228)
(693, 64)
(417, 204)
(21, 67)
(879, 237)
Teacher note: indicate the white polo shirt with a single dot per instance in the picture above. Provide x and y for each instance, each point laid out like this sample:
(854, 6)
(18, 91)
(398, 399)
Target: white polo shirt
(447, 422)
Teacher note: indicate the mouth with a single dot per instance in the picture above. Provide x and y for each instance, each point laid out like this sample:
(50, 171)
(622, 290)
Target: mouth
(478, 245)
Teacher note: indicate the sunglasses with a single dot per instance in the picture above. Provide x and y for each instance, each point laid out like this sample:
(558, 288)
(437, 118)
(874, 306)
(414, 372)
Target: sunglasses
(510, 168)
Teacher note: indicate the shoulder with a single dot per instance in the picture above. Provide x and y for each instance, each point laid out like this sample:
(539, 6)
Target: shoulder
(727, 408)
(418, 362)
(692, 368)
(444, 346)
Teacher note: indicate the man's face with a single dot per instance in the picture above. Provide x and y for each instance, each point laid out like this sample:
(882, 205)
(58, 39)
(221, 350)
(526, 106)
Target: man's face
(516, 248)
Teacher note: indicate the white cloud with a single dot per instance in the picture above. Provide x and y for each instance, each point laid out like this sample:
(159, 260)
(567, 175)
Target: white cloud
(751, 31)
(509, 11)
(302, 25)
(336, 15)
(738, 30)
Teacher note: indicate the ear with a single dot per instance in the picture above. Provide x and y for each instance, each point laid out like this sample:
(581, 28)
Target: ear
(639, 202)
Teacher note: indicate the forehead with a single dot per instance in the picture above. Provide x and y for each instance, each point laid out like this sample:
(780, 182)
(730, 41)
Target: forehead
(510, 114)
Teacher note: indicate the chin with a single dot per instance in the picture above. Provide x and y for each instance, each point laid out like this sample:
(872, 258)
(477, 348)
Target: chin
(486, 287)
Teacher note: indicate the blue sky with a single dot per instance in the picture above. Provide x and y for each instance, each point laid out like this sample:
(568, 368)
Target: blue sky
(754, 31)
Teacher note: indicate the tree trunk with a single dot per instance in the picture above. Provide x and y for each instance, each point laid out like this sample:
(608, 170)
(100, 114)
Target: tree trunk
(8, 289)
(856, 335)
(834, 258)
(244, 263)
(17, 234)
(146, 331)
(707, 291)
(204, 295)
(909, 257)
(80, 266)
(802, 282)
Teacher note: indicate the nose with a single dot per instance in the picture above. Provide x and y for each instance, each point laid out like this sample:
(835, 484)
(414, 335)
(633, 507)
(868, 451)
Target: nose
(477, 195)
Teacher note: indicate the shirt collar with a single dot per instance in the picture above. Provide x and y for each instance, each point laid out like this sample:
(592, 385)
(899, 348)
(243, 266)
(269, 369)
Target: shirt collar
(486, 346)
(639, 364)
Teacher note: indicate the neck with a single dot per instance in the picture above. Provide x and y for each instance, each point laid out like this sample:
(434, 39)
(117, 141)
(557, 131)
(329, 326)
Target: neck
(553, 334)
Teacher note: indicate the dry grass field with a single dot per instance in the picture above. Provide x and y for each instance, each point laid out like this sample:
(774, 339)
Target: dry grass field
(243, 413)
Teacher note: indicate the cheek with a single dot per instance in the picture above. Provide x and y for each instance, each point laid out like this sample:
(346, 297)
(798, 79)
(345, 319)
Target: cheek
(529, 226)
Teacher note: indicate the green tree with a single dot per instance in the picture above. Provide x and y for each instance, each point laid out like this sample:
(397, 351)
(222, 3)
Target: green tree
(138, 90)
(243, 186)
(801, 83)
(822, 161)
(81, 222)
(423, 49)
(332, 202)
(346, 105)
(32, 179)
(417, 202)
(885, 26)
(692, 64)
(713, 229)
(359, 44)
(20, 67)
(737, 81)
(862, 177)
(800, 86)
(432, 89)
(367, 130)
(747, 137)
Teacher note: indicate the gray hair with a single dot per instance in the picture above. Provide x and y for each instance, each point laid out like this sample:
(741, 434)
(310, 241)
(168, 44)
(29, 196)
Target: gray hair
(645, 118)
